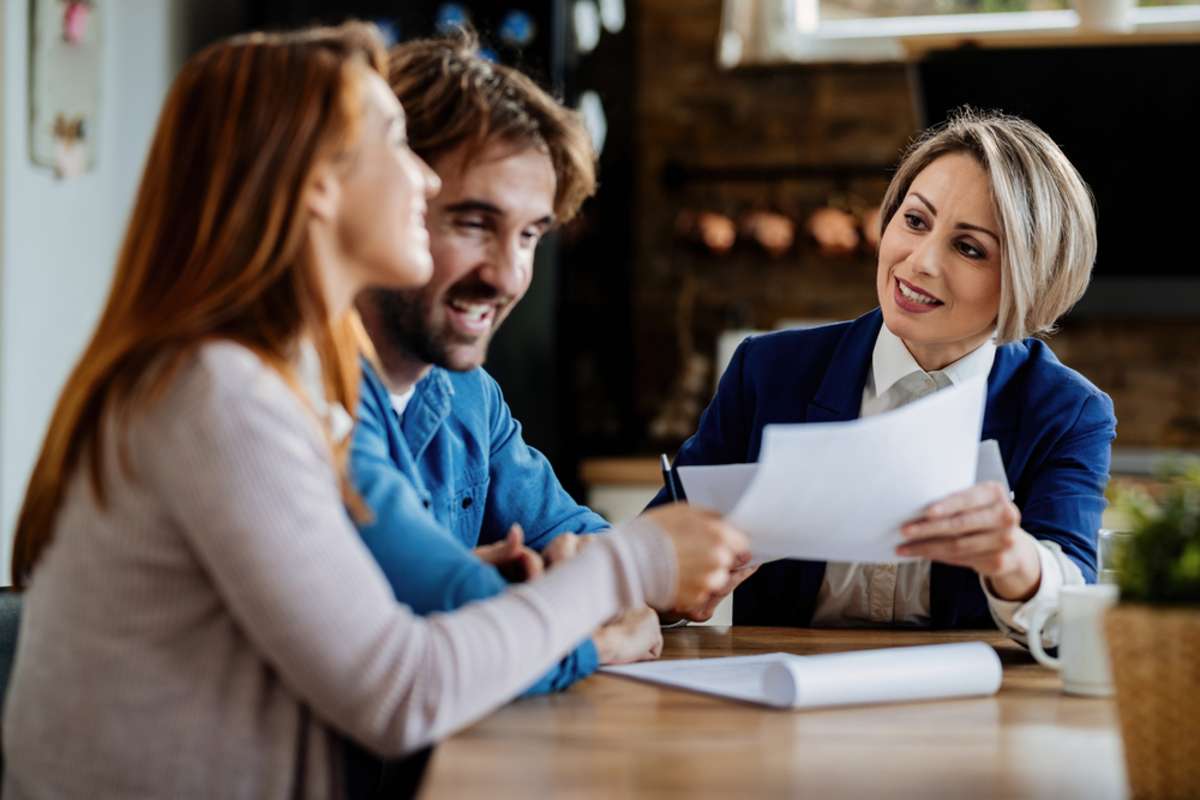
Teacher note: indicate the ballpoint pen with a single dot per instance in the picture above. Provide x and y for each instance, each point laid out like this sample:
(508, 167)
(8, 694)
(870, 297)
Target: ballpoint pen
(669, 477)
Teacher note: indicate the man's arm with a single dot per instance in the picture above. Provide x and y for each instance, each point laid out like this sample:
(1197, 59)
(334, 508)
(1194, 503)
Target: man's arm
(427, 568)
(523, 488)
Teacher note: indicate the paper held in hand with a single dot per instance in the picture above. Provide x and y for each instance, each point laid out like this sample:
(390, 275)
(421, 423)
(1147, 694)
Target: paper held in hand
(839, 491)
(782, 680)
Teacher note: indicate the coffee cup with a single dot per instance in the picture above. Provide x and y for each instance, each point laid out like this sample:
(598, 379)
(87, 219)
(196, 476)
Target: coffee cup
(1082, 651)
(1105, 15)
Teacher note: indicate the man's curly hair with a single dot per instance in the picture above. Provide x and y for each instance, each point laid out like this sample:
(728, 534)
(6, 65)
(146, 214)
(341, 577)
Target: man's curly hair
(453, 96)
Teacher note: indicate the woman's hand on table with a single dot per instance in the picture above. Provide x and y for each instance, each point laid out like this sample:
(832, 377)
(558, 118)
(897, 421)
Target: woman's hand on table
(978, 528)
(633, 636)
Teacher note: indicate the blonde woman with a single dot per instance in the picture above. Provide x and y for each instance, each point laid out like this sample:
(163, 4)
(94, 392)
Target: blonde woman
(201, 618)
(988, 237)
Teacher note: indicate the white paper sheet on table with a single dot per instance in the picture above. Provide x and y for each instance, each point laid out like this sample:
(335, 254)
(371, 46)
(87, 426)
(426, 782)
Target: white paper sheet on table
(839, 491)
(782, 680)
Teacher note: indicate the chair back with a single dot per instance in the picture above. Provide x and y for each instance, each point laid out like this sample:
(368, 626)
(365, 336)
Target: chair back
(10, 623)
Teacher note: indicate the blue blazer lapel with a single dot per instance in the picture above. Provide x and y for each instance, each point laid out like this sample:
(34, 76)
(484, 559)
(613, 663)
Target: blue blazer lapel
(1002, 413)
(839, 397)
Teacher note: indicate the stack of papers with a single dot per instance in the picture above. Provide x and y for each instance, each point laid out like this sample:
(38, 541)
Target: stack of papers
(839, 491)
(782, 680)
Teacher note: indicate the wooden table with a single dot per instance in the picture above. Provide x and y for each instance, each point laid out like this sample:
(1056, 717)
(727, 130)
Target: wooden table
(610, 737)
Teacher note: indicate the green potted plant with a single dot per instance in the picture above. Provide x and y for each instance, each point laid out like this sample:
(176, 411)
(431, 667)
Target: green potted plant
(1154, 636)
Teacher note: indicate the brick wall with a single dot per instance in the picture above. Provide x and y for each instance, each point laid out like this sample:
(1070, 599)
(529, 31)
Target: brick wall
(689, 111)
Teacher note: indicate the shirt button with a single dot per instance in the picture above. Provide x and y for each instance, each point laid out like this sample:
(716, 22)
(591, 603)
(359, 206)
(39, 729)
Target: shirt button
(466, 502)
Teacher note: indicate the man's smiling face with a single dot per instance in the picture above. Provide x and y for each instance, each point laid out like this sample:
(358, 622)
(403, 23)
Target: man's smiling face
(484, 227)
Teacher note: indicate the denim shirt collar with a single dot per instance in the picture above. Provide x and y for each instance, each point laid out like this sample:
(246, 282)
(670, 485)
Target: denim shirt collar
(432, 400)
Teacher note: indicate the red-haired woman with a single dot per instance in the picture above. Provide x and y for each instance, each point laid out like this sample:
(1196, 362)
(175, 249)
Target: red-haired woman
(201, 619)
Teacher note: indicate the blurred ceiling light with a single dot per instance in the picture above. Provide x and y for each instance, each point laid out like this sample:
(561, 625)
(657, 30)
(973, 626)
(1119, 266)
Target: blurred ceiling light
(587, 25)
(612, 14)
(730, 49)
(451, 16)
(594, 119)
(517, 29)
(389, 30)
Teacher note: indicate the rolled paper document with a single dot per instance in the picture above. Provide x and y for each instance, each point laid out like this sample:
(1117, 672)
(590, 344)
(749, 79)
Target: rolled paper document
(891, 675)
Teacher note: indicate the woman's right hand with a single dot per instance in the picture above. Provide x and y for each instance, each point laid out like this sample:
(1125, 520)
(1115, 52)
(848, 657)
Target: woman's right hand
(706, 548)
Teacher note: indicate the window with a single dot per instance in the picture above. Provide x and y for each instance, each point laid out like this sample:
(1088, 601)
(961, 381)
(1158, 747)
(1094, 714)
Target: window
(760, 31)
(867, 9)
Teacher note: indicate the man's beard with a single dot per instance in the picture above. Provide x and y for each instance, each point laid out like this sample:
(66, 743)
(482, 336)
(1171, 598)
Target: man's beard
(407, 322)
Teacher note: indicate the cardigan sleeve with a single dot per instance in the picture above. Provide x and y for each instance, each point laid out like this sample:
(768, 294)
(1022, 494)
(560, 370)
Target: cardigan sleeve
(248, 480)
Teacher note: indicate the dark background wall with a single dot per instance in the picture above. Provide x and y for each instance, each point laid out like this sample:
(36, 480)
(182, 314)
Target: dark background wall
(858, 117)
(594, 352)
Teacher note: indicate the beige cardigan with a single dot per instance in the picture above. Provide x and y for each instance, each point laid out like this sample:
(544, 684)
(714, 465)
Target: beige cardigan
(206, 633)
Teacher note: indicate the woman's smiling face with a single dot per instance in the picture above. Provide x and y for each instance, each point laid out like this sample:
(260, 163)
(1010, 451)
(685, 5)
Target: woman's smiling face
(939, 263)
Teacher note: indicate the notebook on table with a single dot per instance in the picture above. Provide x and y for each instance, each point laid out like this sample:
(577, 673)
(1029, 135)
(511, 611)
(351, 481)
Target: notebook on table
(784, 680)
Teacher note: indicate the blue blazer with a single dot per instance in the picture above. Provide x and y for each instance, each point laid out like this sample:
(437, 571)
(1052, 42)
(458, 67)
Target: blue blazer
(1055, 431)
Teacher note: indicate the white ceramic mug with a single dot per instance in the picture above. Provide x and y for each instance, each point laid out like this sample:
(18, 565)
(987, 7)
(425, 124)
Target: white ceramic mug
(1082, 651)
(1105, 15)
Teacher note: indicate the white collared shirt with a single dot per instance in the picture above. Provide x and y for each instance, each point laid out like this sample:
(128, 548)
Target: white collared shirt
(400, 401)
(865, 595)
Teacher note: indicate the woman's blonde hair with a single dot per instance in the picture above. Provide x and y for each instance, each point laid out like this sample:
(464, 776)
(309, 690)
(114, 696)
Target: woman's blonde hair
(1047, 215)
(214, 246)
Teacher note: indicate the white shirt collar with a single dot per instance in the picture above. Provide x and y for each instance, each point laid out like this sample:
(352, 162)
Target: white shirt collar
(400, 401)
(891, 361)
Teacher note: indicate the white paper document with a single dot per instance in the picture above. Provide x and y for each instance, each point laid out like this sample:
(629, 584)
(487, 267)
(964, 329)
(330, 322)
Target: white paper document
(782, 680)
(990, 465)
(721, 486)
(839, 491)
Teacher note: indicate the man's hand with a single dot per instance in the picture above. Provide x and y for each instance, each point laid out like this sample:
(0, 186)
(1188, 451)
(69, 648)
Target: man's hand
(704, 611)
(633, 636)
(565, 546)
(515, 561)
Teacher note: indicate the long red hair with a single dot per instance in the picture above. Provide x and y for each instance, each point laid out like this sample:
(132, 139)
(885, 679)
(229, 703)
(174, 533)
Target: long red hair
(214, 246)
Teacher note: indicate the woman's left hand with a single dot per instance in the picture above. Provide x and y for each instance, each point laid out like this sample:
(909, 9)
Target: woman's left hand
(979, 528)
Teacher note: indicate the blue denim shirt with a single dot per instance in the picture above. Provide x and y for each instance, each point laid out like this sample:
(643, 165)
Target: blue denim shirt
(453, 473)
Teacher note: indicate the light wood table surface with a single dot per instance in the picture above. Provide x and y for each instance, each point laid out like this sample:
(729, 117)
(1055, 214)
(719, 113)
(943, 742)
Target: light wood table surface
(611, 737)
